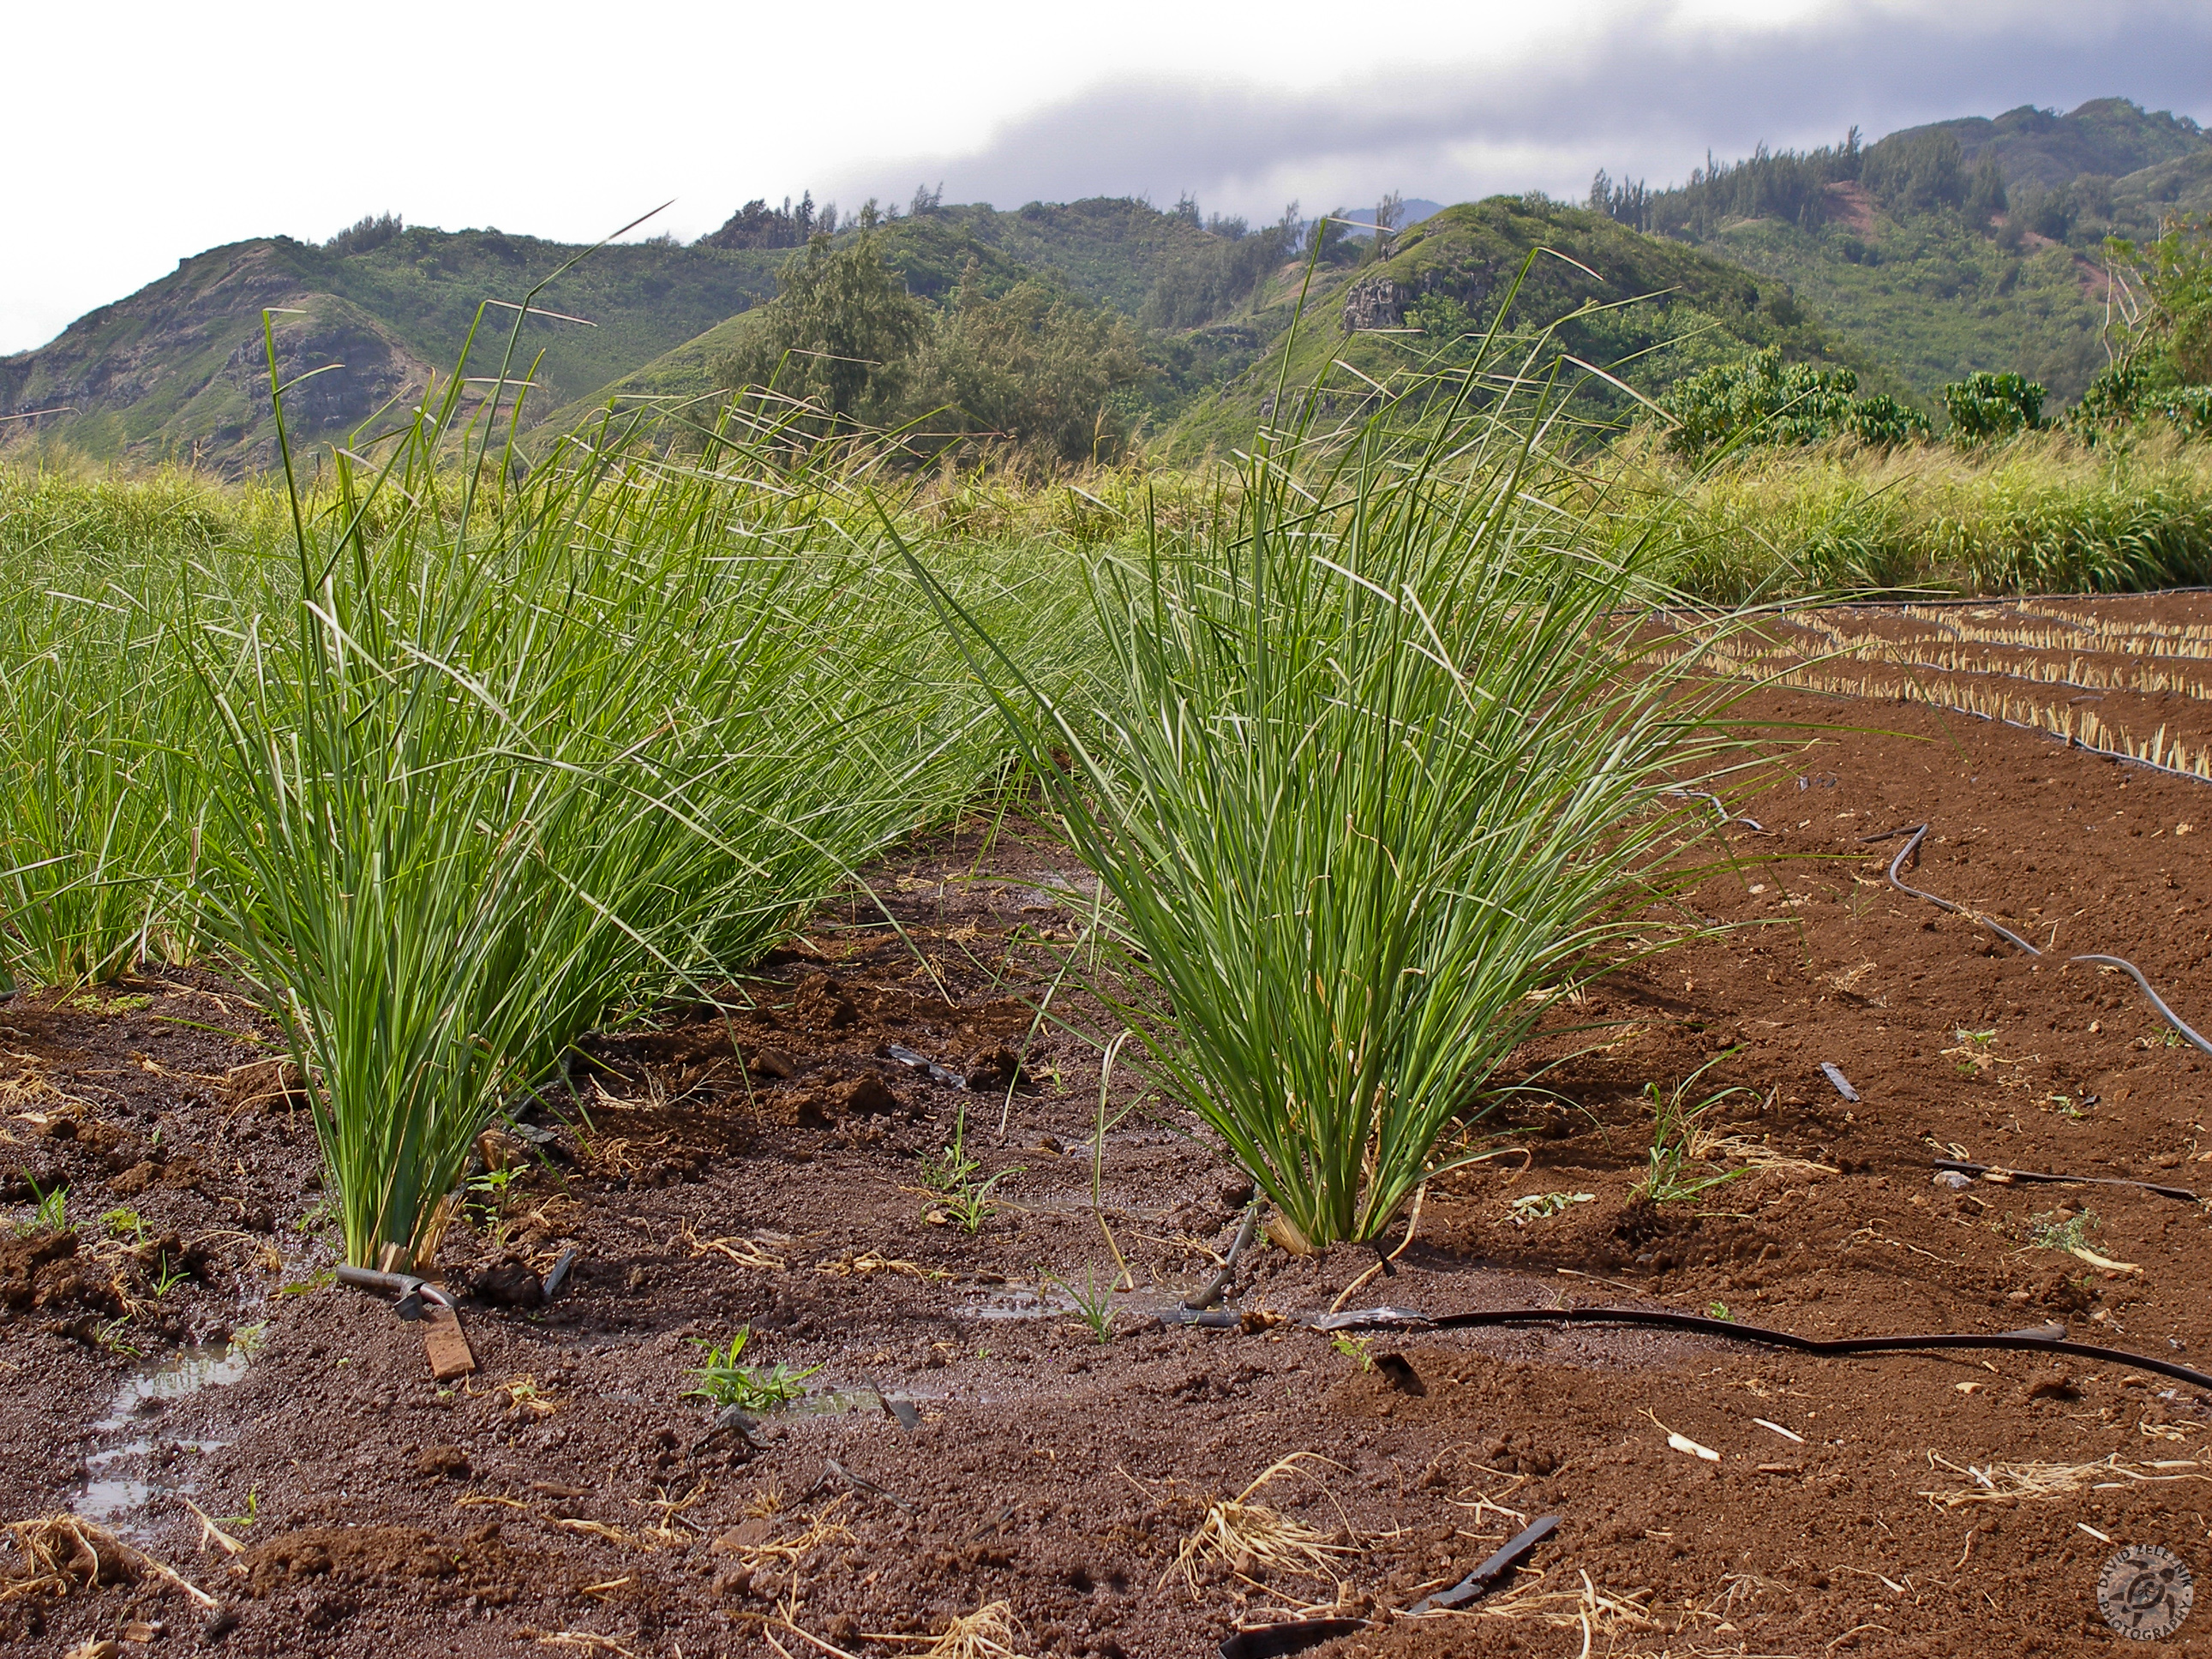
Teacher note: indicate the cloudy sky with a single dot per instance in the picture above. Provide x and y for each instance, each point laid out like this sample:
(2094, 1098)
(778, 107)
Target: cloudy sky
(143, 133)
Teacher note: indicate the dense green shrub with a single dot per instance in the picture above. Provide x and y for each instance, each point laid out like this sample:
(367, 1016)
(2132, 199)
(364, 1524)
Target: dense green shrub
(1760, 399)
(1985, 407)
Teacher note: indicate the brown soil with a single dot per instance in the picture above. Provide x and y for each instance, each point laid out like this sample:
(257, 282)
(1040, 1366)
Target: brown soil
(765, 1171)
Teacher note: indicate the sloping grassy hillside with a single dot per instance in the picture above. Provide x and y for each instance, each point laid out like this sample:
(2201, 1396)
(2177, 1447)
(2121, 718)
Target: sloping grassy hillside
(1939, 300)
(1646, 309)
(178, 369)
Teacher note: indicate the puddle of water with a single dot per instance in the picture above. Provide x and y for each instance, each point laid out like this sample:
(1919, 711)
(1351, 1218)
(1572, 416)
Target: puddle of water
(1016, 1303)
(207, 1365)
(833, 1402)
(121, 1480)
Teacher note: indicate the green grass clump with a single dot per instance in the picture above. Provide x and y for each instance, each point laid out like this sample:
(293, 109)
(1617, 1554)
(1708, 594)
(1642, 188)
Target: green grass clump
(723, 1382)
(1372, 766)
(512, 755)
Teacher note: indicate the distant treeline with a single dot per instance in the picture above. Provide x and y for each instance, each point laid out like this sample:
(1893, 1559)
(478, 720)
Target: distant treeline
(1201, 282)
(1907, 173)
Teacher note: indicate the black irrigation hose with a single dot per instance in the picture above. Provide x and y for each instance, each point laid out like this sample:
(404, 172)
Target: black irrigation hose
(1918, 833)
(2157, 1001)
(2001, 1174)
(1213, 1292)
(2035, 1341)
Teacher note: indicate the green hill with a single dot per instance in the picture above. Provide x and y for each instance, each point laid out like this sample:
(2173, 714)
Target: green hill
(1668, 310)
(2106, 136)
(178, 369)
(1964, 245)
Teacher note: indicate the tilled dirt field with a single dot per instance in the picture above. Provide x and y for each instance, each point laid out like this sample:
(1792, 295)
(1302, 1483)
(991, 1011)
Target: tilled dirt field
(767, 1171)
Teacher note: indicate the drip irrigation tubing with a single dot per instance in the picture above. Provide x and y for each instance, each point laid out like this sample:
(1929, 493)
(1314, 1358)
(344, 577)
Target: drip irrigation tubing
(1213, 1292)
(1917, 833)
(2030, 1341)
(2000, 1174)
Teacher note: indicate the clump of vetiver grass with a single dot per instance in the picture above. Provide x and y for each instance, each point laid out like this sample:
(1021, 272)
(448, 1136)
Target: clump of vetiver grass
(527, 745)
(1377, 768)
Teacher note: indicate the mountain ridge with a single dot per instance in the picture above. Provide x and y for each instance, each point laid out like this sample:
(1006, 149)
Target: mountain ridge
(1958, 246)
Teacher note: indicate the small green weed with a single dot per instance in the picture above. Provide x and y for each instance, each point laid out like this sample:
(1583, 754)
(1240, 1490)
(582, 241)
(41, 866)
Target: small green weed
(126, 1223)
(1973, 1050)
(1354, 1348)
(110, 1337)
(52, 1215)
(108, 1005)
(2057, 1230)
(247, 1340)
(723, 1381)
(1094, 1302)
(1719, 1311)
(1677, 1168)
(1535, 1207)
(236, 1522)
(950, 1174)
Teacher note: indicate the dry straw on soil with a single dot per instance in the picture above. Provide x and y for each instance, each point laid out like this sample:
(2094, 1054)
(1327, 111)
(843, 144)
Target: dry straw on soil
(1243, 1535)
(62, 1554)
(2012, 1483)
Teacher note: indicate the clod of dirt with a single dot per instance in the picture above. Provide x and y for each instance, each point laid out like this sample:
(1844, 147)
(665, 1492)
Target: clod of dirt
(774, 1062)
(272, 1084)
(443, 1463)
(169, 1253)
(63, 1553)
(135, 1180)
(20, 1262)
(746, 1536)
(1398, 1372)
(994, 1068)
(501, 1151)
(508, 1283)
(374, 1555)
(821, 1003)
(869, 1096)
(2054, 1385)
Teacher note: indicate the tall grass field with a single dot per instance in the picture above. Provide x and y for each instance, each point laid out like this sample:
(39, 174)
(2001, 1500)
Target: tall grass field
(451, 759)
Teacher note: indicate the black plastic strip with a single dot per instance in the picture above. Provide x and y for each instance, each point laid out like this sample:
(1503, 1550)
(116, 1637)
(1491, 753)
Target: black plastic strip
(1961, 1167)
(1729, 1330)
(1293, 1636)
(1487, 1576)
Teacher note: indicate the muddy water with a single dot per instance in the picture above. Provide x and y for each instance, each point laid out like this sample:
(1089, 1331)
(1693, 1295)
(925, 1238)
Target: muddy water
(141, 1459)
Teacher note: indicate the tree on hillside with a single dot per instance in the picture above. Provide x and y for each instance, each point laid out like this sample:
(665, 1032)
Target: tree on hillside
(2162, 356)
(758, 225)
(1034, 369)
(365, 235)
(841, 334)
(1034, 366)
(1917, 173)
(1198, 284)
(1986, 407)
